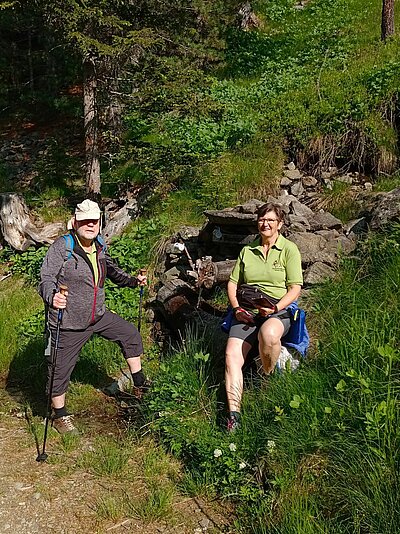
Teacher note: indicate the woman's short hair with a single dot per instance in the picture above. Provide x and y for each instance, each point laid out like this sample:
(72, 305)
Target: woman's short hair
(271, 206)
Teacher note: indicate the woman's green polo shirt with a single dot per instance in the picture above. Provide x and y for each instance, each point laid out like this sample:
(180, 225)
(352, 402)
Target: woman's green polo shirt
(273, 274)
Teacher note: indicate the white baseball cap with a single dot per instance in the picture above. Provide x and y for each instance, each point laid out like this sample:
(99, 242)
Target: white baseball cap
(87, 210)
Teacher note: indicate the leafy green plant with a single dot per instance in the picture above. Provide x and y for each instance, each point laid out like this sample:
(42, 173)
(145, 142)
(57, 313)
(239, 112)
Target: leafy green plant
(28, 264)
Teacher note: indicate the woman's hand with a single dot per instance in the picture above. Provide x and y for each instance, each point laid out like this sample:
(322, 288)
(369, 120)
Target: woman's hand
(243, 316)
(264, 312)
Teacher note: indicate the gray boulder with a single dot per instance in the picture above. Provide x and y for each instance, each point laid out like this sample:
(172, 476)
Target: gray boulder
(317, 273)
(295, 174)
(313, 248)
(297, 189)
(325, 220)
(387, 210)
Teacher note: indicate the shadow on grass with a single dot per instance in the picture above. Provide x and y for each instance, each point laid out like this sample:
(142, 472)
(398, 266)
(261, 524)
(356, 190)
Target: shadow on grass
(26, 380)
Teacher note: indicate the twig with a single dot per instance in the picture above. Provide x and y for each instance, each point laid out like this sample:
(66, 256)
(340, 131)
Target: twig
(5, 276)
(119, 524)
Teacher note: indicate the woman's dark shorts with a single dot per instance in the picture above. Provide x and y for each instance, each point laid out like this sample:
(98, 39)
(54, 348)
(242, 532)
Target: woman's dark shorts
(249, 333)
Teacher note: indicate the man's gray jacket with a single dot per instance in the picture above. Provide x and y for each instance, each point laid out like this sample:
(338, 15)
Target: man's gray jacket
(86, 300)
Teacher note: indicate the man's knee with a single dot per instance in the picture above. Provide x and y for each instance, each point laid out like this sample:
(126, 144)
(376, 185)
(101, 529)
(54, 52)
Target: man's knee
(131, 341)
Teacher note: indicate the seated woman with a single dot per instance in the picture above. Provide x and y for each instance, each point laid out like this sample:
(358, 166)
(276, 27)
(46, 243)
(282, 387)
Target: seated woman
(273, 264)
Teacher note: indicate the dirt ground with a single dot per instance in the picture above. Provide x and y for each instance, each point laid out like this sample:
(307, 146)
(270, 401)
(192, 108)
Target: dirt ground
(52, 497)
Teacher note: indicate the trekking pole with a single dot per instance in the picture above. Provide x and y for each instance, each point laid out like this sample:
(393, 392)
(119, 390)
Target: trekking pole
(142, 272)
(42, 457)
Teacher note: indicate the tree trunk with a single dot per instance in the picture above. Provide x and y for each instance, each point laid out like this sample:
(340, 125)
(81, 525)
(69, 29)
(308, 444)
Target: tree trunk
(91, 129)
(387, 27)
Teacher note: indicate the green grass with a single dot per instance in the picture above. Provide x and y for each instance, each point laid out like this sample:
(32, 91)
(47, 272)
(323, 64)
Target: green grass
(108, 458)
(17, 302)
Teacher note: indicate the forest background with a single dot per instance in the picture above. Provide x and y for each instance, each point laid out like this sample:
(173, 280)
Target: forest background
(195, 105)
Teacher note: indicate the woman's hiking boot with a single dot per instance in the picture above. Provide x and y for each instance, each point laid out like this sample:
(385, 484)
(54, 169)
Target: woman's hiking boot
(233, 422)
(64, 425)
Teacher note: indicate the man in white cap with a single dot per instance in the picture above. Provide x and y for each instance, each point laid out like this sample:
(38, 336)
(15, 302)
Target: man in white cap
(80, 262)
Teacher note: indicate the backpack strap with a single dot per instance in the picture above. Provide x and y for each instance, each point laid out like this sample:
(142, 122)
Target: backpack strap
(102, 243)
(69, 246)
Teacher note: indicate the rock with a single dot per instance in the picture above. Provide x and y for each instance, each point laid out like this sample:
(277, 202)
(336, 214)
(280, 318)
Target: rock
(230, 217)
(345, 245)
(301, 209)
(291, 166)
(285, 181)
(341, 245)
(297, 189)
(387, 210)
(328, 234)
(324, 220)
(249, 207)
(309, 181)
(188, 232)
(298, 223)
(204, 523)
(293, 175)
(317, 273)
(368, 186)
(169, 275)
(356, 226)
(312, 248)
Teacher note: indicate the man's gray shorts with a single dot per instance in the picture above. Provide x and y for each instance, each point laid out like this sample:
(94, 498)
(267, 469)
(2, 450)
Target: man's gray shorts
(249, 333)
(111, 326)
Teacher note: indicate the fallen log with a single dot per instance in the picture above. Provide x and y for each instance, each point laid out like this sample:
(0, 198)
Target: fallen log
(212, 273)
(17, 228)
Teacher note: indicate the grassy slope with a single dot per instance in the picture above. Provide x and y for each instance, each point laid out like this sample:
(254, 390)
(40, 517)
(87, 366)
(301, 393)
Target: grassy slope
(315, 85)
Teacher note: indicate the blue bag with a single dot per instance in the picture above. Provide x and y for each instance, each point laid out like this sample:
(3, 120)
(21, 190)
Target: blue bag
(297, 338)
(227, 321)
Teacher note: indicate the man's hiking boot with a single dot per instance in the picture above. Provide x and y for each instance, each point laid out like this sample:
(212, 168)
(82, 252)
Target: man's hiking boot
(64, 425)
(139, 391)
(233, 424)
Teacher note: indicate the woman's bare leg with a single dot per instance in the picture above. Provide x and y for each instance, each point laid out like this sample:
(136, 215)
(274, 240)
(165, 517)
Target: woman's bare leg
(269, 342)
(236, 353)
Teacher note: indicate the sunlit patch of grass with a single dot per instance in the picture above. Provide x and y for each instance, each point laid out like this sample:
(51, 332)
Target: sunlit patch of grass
(85, 398)
(387, 183)
(108, 457)
(341, 201)
(155, 505)
(110, 506)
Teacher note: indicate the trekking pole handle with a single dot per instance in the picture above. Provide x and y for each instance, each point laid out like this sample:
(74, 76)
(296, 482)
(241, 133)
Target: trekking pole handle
(142, 272)
(63, 290)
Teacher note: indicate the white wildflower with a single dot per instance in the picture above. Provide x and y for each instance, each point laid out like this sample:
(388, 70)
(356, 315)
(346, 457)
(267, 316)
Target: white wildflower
(271, 444)
(217, 453)
(232, 447)
(242, 465)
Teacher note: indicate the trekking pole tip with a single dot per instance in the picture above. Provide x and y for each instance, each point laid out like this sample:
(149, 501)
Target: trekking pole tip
(42, 457)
